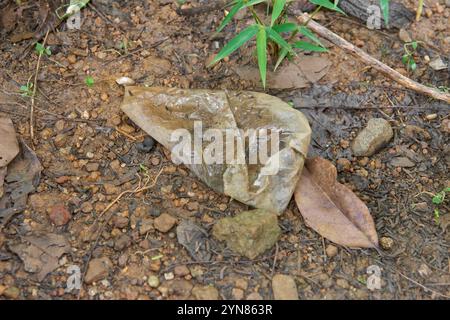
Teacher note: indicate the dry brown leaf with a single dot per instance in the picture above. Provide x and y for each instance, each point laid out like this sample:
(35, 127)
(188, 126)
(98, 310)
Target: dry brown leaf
(9, 147)
(299, 73)
(40, 252)
(331, 209)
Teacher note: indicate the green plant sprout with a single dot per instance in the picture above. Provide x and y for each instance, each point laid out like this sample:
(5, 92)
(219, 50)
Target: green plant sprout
(439, 199)
(408, 58)
(89, 81)
(270, 37)
(26, 90)
(42, 50)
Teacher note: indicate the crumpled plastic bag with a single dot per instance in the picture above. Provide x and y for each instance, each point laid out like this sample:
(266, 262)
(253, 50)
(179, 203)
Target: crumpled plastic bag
(266, 184)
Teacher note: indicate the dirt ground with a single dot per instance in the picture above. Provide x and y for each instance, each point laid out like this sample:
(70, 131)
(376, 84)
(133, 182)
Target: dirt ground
(91, 153)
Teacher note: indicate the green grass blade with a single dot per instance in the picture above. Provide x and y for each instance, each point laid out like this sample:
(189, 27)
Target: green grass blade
(261, 50)
(384, 4)
(327, 4)
(282, 55)
(308, 33)
(238, 6)
(308, 46)
(253, 2)
(278, 39)
(236, 42)
(278, 7)
(285, 27)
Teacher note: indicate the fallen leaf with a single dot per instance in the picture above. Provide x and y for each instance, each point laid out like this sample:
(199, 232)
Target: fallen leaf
(194, 239)
(40, 252)
(21, 179)
(296, 74)
(9, 147)
(331, 209)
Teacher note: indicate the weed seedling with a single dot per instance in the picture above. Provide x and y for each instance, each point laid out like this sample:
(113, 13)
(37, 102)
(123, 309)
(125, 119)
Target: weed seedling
(26, 90)
(89, 81)
(438, 199)
(277, 37)
(408, 58)
(42, 50)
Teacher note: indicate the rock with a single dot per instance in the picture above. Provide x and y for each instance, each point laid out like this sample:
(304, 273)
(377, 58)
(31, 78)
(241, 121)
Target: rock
(205, 293)
(402, 162)
(122, 242)
(412, 131)
(386, 243)
(120, 222)
(254, 296)
(147, 145)
(153, 281)
(125, 81)
(164, 222)
(374, 136)
(11, 293)
(284, 287)
(181, 271)
(437, 64)
(249, 233)
(123, 259)
(193, 206)
(343, 164)
(169, 276)
(237, 294)
(342, 283)
(241, 284)
(421, 206)
(98, 269)
(404, 35)
(179, 289)
(86, 207)
(331, 251)
(424, 270)
(445, 126)
(59, 215)
(146, 225)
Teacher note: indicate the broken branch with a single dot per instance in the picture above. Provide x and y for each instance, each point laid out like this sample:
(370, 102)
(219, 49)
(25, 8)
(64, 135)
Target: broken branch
(374, 63)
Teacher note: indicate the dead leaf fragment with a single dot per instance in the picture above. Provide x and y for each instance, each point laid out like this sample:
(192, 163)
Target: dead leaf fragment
(194, 239)
(299, 73)
(40, 252)
(331, 209)
(9, 147)
(21, 179)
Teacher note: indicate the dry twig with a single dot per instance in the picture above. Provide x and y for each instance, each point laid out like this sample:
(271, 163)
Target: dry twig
(34, 91)
(374, 63)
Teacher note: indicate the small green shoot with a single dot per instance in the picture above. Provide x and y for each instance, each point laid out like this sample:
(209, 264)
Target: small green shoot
(270, 39)
(89, 81)
(26, 90)
(408, 58)
(42, 50)
(438, 199)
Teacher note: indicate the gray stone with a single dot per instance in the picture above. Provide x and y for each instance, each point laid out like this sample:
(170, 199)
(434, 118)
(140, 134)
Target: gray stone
(98, 269)
(403, 162)
(284, 287)
(373, 137)
(250, 233)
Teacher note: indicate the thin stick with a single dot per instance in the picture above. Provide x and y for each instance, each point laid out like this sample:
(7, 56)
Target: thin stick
(34, 91)
(374, 63)
(423, 287)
